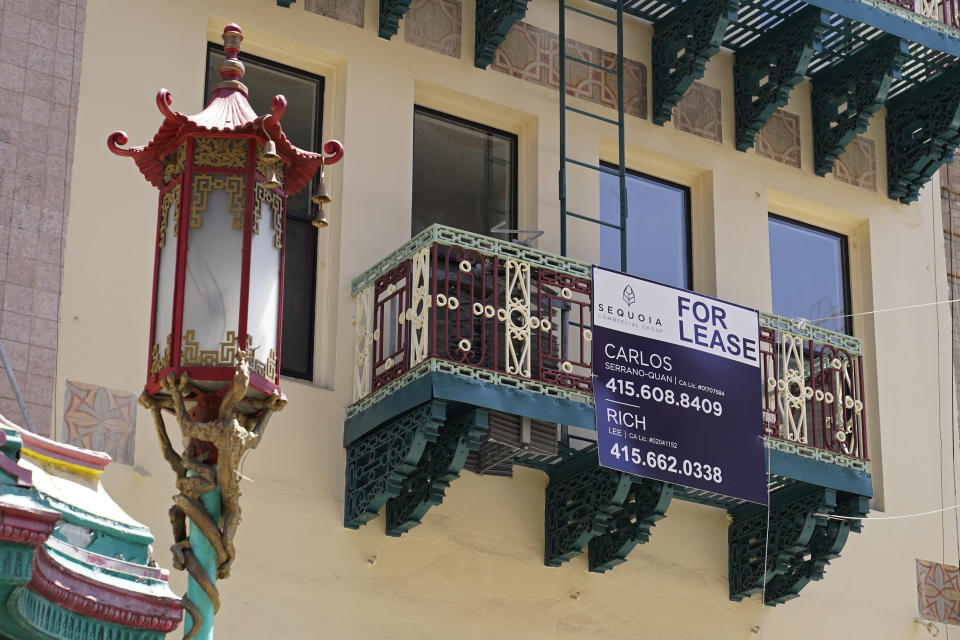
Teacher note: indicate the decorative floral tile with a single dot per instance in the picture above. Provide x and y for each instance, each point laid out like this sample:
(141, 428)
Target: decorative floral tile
(780, 139)
(434, 25)
(857, 165)
(100, 419)
(938, 592)
(349, 11)
(533, 54)
(699, 112)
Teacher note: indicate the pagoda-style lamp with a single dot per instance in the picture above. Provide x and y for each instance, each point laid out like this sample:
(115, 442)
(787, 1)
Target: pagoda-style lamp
(224, 176)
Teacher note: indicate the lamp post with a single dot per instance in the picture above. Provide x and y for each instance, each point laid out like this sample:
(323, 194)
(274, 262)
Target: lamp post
(224, 176)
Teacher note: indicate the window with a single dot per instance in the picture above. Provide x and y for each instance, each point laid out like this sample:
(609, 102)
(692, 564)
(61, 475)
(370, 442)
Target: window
(301, 124)
(808, 271)
(658, 229)
(464, 174)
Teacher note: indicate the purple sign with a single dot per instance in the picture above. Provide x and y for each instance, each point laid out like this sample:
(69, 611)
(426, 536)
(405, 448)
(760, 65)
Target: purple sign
(676, 381)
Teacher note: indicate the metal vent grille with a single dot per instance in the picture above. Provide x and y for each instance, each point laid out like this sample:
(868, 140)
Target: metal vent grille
(511, 437)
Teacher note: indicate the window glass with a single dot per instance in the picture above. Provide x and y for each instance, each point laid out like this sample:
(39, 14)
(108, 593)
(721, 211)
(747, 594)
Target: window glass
(658, 229)
(808, 272)
(302, 125)
(464, 174)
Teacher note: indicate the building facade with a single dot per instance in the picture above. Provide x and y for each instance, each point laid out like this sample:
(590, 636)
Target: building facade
(781, 158)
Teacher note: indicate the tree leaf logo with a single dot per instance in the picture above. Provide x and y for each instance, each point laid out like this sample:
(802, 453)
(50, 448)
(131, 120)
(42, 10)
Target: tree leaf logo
(628, 295)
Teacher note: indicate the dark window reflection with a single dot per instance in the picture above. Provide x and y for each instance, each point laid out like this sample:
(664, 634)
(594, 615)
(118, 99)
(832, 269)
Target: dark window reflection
(808, 271)
(301, 124)
(658, 229)
(464, 174)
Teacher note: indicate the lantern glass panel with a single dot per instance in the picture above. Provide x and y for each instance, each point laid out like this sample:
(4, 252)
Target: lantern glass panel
(264, 301)
(211, 300)
(166, 274)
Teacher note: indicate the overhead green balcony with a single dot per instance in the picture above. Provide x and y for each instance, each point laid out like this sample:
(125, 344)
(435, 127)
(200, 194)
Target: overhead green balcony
(475, 353)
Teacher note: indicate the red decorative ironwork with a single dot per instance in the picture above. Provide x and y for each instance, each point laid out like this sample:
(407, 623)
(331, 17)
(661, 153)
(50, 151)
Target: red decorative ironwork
(391, 336)
(467, 321)
(566, 353)
(832, 414)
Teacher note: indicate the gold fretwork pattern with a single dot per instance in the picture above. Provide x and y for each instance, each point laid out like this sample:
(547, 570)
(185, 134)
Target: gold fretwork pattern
(517, 294)
(419, 311)
(171, 197)
(268, 368)
(275, 202)
(266, 167)
(220, 152)
(363, 344)
(157, 361)
(173, 164)
(203, 184)
(192, 355)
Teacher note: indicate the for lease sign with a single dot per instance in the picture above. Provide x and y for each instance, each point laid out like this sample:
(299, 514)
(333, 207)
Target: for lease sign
(677, 386)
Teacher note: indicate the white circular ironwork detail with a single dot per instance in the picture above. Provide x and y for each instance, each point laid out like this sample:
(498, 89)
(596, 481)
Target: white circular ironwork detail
(565, 293)
(453, 303)
(836, 364)
(819, 395)
(464, 345)
(588, 335)
(502, 315)
(566, 366)
(489, 311)
(828, 397)
(534, 322)
(477, 309)
(441, 300)
(545, 325)
(465, 266)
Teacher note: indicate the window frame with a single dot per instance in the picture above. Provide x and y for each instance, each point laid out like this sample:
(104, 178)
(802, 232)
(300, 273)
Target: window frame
(844, 259)
(514, 215)
(320, 82)
(687, 217)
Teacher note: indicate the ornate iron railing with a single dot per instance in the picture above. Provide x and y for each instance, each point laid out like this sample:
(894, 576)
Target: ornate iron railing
(813, 388)
(503, 313)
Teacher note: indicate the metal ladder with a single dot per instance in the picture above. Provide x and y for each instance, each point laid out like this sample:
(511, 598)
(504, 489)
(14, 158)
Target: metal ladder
(621, 171)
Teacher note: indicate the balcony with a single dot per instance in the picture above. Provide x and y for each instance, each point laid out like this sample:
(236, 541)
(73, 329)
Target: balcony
(474, 353)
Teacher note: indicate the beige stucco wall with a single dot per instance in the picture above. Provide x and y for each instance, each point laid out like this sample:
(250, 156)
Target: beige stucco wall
(474, 568)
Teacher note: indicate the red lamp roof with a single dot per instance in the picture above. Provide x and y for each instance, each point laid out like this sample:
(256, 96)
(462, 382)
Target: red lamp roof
(228, 111)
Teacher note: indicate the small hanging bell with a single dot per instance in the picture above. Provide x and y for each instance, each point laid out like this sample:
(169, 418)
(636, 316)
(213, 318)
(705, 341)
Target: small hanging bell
(270, 151)
(322, 196)
(272, 182)
(320, 219)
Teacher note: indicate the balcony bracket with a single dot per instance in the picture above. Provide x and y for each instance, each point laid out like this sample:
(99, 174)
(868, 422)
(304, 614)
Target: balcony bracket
(767, 69)
(379, 463)
(923, 131)
(439, 465)
(683, 43)
(859, 86)
(494, 20)
(800, 543)
(611, 510)
(391, 12)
